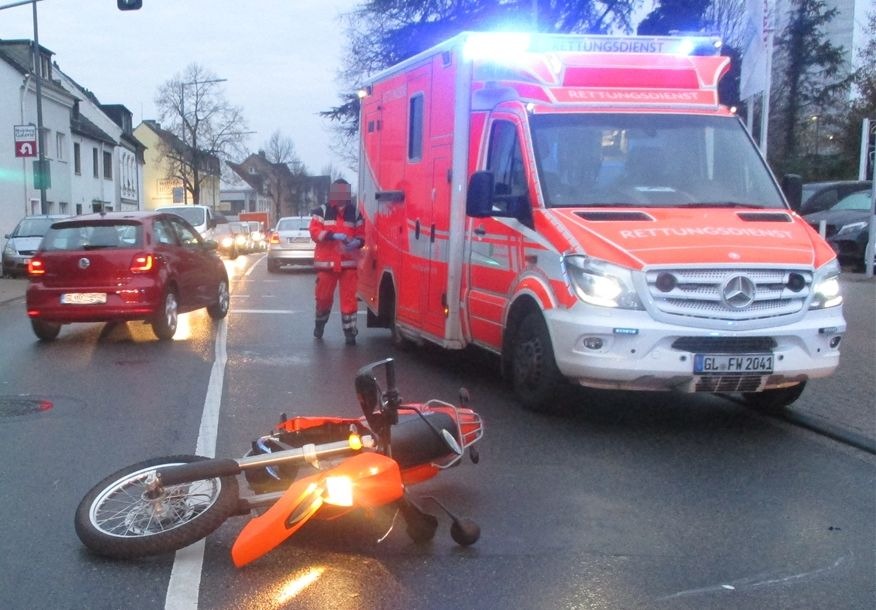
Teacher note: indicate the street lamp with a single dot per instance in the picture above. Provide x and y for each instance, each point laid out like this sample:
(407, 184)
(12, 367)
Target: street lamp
(817, 132)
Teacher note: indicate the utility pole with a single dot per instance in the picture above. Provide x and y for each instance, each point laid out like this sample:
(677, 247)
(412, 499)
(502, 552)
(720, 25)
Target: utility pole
(44, 174)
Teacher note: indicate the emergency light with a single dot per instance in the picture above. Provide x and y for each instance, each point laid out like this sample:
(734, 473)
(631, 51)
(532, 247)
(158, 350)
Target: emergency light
(506, 46)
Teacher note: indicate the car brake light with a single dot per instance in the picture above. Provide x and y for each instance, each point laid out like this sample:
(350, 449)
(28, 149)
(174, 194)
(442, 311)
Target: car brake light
(275, 239)
(142, 263)
(36, 266)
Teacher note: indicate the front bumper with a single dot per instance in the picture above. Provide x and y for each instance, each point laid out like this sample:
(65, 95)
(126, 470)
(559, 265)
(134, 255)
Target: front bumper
(628, 350)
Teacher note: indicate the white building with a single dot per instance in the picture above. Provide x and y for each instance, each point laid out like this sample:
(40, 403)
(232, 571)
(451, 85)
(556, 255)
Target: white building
(95, 162)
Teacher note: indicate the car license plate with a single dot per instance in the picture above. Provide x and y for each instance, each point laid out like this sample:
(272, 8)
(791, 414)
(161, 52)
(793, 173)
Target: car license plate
(740, 364)
(83, 298)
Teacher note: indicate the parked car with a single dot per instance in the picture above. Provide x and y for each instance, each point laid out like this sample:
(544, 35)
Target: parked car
(23, 242)
(846, 226)
(290, 243)
(226, 240)
(820, 196)
(123, 266)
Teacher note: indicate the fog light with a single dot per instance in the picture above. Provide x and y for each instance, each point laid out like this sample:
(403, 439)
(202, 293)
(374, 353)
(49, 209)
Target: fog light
(593, 343)
(835, 341)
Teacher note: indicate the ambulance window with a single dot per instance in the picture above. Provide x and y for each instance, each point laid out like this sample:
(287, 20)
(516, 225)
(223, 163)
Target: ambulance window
(415, 128)
(505, 161)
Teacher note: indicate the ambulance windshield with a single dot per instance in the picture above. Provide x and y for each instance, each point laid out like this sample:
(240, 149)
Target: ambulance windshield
(649, 160)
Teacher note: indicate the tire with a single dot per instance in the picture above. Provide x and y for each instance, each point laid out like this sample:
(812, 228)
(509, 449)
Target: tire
(535, 378)
(273, 267)
(773, 402)
(219, 309)
(115, 520)
(45, 331)
(167, 317)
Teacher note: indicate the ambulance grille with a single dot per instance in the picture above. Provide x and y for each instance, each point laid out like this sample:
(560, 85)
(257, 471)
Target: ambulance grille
(727, 383)
(729, 293)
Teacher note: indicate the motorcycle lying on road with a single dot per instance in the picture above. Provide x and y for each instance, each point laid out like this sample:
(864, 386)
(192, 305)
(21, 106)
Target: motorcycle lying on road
(306, 468)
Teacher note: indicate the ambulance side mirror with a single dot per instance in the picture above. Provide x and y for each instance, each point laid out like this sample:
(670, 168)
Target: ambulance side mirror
(792, 186)
(479, 200)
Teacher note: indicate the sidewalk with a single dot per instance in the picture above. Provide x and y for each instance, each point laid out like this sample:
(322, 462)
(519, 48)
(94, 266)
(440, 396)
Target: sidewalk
(11, 289)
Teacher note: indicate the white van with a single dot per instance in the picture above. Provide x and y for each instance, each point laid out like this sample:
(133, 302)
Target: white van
(200, 217)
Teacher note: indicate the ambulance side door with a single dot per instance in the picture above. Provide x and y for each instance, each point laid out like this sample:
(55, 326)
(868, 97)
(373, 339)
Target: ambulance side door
(495, 242)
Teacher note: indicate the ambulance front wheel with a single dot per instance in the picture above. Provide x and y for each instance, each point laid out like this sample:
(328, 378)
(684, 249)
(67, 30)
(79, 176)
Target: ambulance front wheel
(534, 374)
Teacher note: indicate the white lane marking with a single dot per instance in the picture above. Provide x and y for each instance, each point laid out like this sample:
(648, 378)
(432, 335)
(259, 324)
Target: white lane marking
(185, 578)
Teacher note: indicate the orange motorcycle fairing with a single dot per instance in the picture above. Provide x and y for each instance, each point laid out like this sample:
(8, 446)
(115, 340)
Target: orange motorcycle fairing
(374, 479)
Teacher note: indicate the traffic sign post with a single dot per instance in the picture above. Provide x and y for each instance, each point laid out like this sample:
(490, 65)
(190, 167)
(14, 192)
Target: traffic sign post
(25, 140)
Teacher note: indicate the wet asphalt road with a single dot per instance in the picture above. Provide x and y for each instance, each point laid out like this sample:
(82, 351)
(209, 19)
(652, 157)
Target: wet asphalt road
(653, 501)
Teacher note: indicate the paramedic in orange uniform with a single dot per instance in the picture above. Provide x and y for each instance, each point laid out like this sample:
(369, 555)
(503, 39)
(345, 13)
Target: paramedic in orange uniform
(338, 230)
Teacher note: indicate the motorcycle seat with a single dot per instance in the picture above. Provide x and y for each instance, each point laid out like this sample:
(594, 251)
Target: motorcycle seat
(416, 442)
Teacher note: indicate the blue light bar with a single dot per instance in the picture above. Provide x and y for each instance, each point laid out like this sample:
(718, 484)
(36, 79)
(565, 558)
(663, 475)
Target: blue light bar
(505, 45)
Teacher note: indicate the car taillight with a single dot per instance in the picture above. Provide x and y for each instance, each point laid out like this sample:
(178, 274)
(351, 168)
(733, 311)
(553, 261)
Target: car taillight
(36, 266)
(142, 263)
(275, 239)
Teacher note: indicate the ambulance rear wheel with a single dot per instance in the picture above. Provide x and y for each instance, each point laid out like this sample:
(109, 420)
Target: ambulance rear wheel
(398, 339)
(534, 374)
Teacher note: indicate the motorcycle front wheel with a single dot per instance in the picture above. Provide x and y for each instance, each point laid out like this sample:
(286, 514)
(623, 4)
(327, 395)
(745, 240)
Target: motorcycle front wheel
(121, 518)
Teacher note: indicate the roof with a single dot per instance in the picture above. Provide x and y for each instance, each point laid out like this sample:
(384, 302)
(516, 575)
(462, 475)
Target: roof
(79, 124)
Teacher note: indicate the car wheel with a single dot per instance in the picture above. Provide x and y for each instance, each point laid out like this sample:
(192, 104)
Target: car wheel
(273, 267)
(219, 309)
(534, 374)
(166, 318)
(45, 331)
(773, 402)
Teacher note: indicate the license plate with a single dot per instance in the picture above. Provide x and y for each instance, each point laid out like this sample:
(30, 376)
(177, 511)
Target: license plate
(83, 298)
(741, 364)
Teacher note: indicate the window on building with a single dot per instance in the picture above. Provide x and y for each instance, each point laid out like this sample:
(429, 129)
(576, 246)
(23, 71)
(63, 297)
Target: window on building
(77, 159)
(94, 161)
(60, 146)
(108, 165)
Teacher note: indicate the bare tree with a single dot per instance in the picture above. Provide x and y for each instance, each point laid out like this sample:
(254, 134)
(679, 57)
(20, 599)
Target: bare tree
(203, 126)
(285, 170)
(384, 32)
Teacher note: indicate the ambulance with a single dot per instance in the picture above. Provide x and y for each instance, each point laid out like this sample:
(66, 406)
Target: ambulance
(586, 209)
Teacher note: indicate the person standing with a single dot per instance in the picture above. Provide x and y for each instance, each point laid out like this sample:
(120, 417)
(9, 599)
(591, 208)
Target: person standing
(338, 230)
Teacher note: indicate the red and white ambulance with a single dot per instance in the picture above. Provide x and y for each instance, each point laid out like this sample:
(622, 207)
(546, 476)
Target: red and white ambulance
(585, 207)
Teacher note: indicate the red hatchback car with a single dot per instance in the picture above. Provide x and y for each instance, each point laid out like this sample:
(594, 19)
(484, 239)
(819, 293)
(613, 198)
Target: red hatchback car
(121, 266)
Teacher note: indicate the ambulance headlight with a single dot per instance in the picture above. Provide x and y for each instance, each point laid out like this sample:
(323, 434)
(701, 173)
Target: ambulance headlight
(600, 283)
(826, 287)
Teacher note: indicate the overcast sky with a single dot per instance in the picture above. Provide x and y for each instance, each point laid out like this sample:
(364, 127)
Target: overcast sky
(280, 57)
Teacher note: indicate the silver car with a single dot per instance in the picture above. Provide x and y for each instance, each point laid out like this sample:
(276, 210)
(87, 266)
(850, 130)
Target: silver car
(290, 243)
(23, 242)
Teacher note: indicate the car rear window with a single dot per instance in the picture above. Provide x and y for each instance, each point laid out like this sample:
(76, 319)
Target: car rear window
(92, 236)
(301, 223)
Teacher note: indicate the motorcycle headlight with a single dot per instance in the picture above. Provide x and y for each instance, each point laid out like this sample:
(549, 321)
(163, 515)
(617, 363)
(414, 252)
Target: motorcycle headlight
(826, 287)
(601, 283)
(339, 491)
(851, 228)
